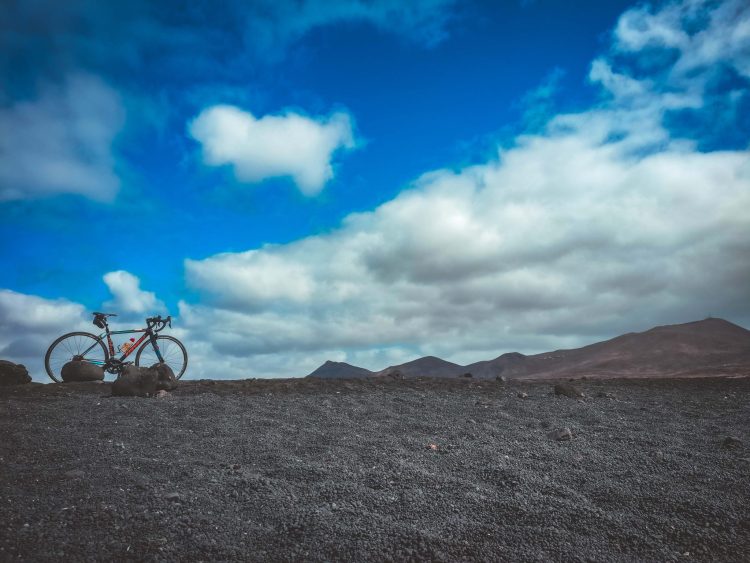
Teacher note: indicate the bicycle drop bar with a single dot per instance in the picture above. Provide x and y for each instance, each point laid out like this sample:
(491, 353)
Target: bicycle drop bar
(158, 320)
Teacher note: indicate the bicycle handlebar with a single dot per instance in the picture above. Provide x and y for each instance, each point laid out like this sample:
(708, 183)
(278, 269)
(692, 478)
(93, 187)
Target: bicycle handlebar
(158, 320)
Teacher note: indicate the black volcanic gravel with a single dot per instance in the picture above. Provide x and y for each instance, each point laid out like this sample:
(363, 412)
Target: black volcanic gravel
(343, 470)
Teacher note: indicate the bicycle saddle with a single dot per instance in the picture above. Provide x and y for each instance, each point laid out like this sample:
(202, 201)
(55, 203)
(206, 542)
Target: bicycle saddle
(100, 319)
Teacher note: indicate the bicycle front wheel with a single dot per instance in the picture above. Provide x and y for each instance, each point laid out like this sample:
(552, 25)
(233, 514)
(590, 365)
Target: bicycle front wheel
(171, 349)
(79, 345)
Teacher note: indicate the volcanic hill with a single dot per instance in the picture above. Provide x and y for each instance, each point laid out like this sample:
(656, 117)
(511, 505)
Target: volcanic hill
(708, 347)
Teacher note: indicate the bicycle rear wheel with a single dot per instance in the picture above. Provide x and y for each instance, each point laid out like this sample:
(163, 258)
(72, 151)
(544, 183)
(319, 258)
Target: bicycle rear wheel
(172, 350)
(80, 345)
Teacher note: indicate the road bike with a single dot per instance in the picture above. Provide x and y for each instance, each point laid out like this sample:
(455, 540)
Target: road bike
(151, 348)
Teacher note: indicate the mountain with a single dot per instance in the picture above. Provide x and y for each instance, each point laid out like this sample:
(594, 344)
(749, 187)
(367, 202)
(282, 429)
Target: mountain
(340, 370)
(512, 364)
(710, 347)
(428, 366)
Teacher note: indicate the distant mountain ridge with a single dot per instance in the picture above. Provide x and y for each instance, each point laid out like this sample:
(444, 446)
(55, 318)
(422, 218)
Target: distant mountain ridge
(710, 346)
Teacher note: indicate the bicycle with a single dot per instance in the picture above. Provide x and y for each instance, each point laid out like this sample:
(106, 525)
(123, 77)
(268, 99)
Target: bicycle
(87, 347)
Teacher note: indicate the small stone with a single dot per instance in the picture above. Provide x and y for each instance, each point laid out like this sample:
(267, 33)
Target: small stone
(174, 497)
(561, 434)
(568, 390)
(731, 442)
(523, 395)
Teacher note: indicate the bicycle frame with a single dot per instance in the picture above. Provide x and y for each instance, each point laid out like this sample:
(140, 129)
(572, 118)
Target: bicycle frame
(148, 333)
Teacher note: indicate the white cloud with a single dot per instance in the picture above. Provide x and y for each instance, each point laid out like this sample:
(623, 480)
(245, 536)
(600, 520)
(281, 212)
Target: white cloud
(703, 34)
(61, 142)
(602, 223)
(29, 324)
(272, 146)
(128, 295)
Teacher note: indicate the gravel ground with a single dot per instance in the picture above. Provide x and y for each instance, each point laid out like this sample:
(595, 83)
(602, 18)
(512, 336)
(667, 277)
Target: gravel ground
(344, 470)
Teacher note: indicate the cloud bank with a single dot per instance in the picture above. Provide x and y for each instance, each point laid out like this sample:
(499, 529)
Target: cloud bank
(281, 23)
(145, 38)
(286, 145)
(61, 142)
(29, 324)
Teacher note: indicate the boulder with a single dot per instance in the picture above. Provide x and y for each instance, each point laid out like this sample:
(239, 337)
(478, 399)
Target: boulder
(568, 390)
(166, 380)
(13, 374)
(501, 379)
(77, 370)
(135, 382)
(395, 374)
(467, 375)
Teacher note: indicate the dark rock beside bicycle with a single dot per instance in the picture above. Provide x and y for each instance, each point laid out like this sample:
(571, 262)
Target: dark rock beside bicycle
(137, 381)
(81, 371)
(13, 374)
(167, 381)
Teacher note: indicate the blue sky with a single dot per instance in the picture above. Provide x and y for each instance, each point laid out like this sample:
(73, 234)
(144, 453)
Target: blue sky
(366, 182)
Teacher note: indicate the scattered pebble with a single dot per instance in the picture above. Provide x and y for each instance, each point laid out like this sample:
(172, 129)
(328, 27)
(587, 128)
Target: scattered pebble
(561, 434)
(731, 442)
(568, 390)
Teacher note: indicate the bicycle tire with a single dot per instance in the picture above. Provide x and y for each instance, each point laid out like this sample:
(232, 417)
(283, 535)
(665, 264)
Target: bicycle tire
(175, 358)
(53, 365)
